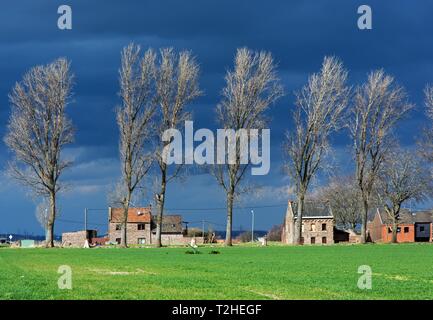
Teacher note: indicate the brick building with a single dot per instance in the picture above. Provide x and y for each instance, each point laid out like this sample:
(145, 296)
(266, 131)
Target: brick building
(412, 227)
(317, 224)
(141, 227)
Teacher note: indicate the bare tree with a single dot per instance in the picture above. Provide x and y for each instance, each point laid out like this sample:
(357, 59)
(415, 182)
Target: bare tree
(176, 87)
(250, 89)
(378, 105)
(39, 129)
(319, 108)
(343, 196)
(42, 213)
(134, 118)
(403, 177)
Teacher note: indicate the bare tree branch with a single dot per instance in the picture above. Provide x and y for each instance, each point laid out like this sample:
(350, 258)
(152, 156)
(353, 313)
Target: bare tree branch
(378, 105)
(39, 129)
(250, 89)
(176, 86)
(403, 177)
(134, 118)
(319, 108)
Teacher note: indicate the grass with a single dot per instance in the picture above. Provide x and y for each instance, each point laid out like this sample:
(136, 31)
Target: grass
(403, 271)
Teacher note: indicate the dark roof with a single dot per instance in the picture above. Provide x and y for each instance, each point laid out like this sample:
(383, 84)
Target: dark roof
(135, 215)
(407, 217)
(170, 223)
(313, 209)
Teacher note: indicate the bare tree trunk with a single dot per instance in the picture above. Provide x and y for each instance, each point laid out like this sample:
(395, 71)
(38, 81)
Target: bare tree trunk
(124, 240)
(364, 221)
(300, 212)
(394, 231)
(49, 234)
(161, 202)
(292, 234)
(230, 198)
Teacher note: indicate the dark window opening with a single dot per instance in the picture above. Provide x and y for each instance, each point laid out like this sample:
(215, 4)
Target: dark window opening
(421, 229)
(324, 240)
(406, 229)
(313, 240)
(118, 240)
(141, 226)
(118, 227)
(323, 226)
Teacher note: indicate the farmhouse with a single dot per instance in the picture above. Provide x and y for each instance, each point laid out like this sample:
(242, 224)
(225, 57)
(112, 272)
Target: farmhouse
(317, 224)
(141, 227)
(412, 227)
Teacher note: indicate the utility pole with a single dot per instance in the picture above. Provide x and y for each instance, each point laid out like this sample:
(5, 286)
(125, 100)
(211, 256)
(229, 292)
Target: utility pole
(85, 219)
(252, 226)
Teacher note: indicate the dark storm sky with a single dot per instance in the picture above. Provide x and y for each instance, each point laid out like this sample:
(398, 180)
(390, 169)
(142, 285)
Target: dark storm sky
(298, 33)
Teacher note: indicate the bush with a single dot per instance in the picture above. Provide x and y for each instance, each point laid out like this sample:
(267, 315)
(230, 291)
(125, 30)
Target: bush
(245, 236)
(195, 232)
(275, 233)
(192, 252)
(214, 252)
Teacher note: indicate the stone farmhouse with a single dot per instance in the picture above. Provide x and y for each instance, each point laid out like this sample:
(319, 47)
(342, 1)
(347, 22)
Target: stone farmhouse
(412, 227)
(318, 225)
(141, 227)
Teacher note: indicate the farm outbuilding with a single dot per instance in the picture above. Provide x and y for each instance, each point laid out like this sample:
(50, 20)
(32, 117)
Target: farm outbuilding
(412, 227)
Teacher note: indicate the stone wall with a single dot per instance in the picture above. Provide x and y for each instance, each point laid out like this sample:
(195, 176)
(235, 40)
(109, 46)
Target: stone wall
(74, 239)
(133, 234)
(313, 233)
(178, 239)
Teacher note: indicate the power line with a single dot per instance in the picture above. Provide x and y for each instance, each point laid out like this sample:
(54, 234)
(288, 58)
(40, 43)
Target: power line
(224, 208)
(216, 208)
(79, 222)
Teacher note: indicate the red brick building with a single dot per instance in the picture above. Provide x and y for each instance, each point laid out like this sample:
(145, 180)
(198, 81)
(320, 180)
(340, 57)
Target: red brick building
(412, 227)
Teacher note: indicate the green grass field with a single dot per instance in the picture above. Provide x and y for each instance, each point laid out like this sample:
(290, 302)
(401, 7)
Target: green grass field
(402, 271)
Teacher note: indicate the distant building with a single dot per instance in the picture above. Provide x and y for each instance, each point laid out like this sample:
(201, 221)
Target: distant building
(78, 238)
(317, 224)
(141, 227)
(412, 227)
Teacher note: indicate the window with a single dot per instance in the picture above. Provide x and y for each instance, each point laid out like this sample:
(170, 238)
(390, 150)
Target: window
(406, 229)
(398, 229)
(323, 226)
(389, 230)
(313, 227)
(141, 240)
(313, 240)
(324, 241)
(421, 229)
(141, 226)
(118, 240)
(118, 227)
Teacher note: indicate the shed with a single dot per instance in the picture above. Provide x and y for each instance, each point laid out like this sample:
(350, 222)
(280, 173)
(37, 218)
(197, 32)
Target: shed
(27, 243)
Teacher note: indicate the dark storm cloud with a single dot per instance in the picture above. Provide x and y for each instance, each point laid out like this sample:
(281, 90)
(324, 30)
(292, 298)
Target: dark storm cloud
(299, 33)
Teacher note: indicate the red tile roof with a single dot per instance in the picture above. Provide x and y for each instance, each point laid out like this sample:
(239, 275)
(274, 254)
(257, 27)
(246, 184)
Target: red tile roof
(135, 215)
